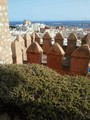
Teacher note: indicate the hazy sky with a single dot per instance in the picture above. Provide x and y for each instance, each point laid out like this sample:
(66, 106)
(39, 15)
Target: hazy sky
(49, 9)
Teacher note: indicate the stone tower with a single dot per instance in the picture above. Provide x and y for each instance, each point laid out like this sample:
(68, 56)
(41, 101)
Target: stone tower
(5, 38)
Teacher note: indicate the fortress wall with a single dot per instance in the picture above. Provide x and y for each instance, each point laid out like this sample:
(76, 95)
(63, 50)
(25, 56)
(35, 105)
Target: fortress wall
(5, 38)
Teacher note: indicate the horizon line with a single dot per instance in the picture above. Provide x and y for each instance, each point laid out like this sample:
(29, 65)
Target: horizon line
(45, 20)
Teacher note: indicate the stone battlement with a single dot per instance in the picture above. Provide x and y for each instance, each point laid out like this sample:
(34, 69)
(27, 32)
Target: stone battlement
(70, 59)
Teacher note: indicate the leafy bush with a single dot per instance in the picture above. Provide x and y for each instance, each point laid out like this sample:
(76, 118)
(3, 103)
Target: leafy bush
(41, 94)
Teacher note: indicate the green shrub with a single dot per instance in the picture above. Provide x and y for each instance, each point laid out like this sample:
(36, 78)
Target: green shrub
(42, 94)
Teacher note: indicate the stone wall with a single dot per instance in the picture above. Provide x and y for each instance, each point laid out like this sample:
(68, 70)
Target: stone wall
(71, 60)
(5, 38)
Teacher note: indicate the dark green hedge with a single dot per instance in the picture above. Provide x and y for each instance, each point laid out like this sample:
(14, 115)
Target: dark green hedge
(41, 94)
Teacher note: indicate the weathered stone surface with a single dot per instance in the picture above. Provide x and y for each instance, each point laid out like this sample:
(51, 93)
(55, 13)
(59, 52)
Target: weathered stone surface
(86, 39)
(71, 44)
(54, 57)
(27, 39)
(17, 52)
(59, 39)
(80, 60)
(34, 53)
(21, 40)
(34, 48)
(56, 49)
(36, 37)
(72, 36)
(46, 42)
(5, 38)
(82, 52)
(3, 2)
(83, 40)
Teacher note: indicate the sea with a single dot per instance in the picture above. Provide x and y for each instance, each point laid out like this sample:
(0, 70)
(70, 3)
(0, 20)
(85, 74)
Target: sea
(80, 24)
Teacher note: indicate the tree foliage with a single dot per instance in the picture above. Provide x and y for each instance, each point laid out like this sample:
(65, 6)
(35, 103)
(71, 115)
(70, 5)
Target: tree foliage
(41, 94)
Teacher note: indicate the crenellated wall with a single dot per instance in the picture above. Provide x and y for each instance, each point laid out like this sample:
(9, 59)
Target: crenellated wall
(70, 59)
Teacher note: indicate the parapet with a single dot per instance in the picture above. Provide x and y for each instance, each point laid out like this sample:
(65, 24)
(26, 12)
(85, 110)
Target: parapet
(86, 39)
(47, 36)
(56, 49)
(21, 40)
(59, 36)
(27, 39)
(34, 48)
(83, 52)
(72, 36)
